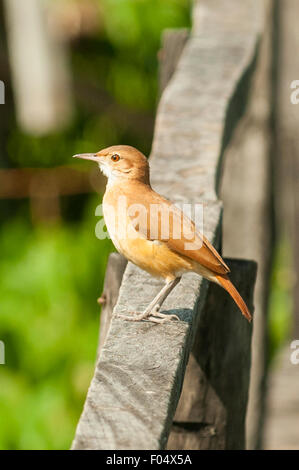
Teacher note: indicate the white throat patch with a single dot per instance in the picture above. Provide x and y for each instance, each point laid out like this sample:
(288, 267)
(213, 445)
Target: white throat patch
(109, 173)
(105, 169)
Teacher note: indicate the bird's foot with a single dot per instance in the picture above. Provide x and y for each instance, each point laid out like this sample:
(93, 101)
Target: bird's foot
(154, 316)
(158, 317)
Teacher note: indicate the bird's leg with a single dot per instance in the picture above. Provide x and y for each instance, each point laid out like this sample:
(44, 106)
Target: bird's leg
(152, 311)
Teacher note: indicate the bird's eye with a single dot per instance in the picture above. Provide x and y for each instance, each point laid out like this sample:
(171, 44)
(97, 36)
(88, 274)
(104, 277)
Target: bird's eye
(115, 157)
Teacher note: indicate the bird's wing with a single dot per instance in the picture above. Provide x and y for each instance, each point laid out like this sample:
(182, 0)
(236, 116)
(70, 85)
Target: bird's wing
(165, 222)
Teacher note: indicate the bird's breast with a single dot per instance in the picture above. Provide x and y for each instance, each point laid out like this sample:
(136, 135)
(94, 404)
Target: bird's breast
(153, 256)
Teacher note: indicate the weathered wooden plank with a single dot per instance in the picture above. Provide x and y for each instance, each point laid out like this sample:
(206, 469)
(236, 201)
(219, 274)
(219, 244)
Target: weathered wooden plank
(247, 222)
(135, 390)
(212, 408)
(173, 42)
(114, 273)
(190, 429)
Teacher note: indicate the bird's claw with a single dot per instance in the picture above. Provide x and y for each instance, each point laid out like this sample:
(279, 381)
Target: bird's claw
(156, 313)
(154, 316)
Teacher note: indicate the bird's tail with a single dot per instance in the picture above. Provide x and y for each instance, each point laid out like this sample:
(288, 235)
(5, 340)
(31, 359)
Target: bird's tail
(224, 281)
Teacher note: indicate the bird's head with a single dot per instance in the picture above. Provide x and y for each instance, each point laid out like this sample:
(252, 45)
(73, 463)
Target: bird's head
(120, 162)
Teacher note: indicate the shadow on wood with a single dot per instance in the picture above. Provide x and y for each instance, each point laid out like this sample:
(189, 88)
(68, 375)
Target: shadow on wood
(212, 408)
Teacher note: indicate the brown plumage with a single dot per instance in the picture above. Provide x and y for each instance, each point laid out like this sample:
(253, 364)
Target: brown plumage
(230, 288)
(155, 239)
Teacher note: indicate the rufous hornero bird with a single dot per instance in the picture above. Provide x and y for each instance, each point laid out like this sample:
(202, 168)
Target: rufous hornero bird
(157, 242)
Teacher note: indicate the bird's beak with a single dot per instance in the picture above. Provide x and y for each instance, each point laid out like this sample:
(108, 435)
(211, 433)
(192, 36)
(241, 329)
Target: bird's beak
(87, 156)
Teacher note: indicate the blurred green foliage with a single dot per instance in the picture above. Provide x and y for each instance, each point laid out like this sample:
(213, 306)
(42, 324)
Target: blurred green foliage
(51, 275)
(280, 302)
(50, 280)
(115, 83)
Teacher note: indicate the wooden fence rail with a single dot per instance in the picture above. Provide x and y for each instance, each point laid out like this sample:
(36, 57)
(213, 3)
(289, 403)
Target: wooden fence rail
(138, 398)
